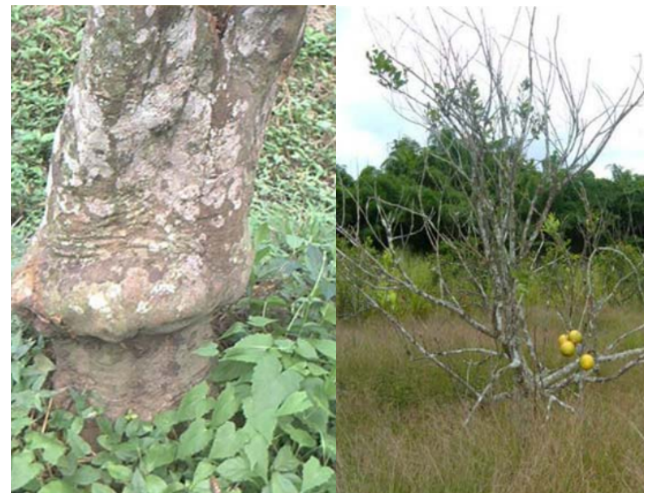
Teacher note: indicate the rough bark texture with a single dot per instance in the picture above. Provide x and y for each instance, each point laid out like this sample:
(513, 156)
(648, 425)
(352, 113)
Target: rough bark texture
(147, 374)
(145, 232)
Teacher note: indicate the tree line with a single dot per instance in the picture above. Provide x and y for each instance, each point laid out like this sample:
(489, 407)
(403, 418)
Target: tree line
(414, 177)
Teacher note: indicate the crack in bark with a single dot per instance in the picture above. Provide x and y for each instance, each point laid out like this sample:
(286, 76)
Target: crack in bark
(219, 16)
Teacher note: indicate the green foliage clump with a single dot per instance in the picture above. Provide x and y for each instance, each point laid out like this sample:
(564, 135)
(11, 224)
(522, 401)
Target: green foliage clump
(419, 178)
(383, 66)
(305, 113)
(561, 279)
(351, 302)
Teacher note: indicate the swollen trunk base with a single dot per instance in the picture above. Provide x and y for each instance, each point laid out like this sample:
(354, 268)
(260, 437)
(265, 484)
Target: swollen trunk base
(144, 375)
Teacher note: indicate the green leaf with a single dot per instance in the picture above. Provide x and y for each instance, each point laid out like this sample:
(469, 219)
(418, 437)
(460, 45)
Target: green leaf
(127, 451)
(226, 370)
(329, 313)
(329, 444)
(263, 421)
(195, 403)
(79, 447)
(158, 455)
(43, 364)
(250, 349)
(67, 465)
(194, 439)
(58, 486)
(260, 322)
(138, 483)
(226, 406)
(281, 483)
(120, 473)
(302, 437)
(23, 469)
(78, 423)
(208, 351)
(316, 370)
(166, 420)
(238, 328)
(86, 475)
(315, 475)
(285, 345)
(286, 461)
(227, 442)
(270, 387)
(294, 242)
(52, 448)
(261, 234)
(326, 347)
(18, 424)
(235, 470)
(305, 349)
(155, 484)
(294, 404)
(257, 451)
(314, 260)
(256, 341)
(101, 488)
(203, 471)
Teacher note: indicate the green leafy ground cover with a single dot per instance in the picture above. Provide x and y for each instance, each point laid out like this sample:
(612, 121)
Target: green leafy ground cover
(271, 428)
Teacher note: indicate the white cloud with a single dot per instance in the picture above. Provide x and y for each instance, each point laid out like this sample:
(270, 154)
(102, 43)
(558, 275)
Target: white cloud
(357, 149)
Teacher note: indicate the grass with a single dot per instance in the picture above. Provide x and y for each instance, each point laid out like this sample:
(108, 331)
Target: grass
(563, 283)
(44, 48)
(401, 425)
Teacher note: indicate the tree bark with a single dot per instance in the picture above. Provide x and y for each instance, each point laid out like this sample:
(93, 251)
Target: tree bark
(145, 233)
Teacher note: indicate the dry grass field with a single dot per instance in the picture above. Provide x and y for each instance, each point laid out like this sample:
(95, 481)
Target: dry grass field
(401, 422)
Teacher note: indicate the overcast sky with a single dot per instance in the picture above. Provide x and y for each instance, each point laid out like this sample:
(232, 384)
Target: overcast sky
(367, 124)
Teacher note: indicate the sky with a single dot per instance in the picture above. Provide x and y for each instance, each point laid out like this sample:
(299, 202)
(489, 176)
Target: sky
(367, 123)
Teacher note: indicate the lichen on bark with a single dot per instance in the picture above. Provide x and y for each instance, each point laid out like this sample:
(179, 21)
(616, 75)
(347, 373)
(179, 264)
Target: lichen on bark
(146, 227)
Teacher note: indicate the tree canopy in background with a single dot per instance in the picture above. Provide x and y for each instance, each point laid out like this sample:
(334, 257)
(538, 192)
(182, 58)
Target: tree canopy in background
(413, 173)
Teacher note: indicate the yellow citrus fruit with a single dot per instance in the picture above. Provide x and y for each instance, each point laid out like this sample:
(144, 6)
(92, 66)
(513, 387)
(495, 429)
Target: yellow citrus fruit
(576, 337)
(586, 362)
(567, 348)
(562, 339)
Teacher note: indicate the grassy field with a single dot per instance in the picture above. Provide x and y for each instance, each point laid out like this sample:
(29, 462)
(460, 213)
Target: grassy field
(401, 423)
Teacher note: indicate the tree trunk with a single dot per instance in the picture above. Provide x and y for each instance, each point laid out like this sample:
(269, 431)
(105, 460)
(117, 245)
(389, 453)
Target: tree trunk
(145, 233)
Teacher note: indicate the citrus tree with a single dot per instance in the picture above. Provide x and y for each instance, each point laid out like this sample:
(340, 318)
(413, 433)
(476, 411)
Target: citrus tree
(493, 106)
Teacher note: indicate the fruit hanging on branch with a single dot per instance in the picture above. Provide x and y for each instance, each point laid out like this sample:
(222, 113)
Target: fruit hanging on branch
(586, 362)
(567, 349)
(575, 336)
